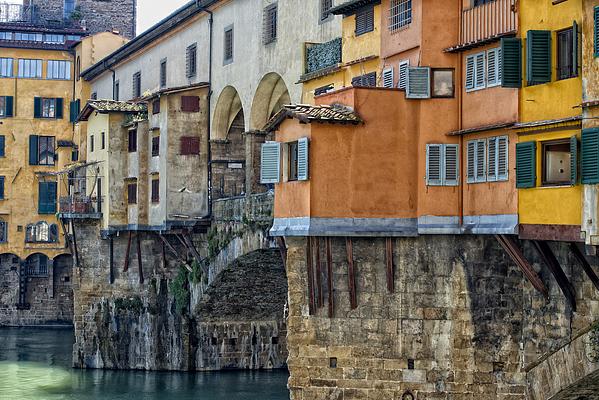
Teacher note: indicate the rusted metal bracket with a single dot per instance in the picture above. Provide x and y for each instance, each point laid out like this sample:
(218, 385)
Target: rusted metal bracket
(351, 273)
(584, 264)
(557, 271)
(515, 252)
(390, 265)
(177, 256)
(330, 277)
(128, 253)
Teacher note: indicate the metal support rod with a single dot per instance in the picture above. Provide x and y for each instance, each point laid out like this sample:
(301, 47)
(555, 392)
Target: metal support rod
(584, 264)
(111, 273)
(557, 271)
(320, 298)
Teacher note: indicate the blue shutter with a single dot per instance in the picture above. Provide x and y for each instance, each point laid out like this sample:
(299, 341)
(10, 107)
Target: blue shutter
(33, 150)
(538, 57)
(270, 163)
(419, 83)
(302, 159)
(526, 165)
(590, 156)
(47, 197)
(573, 160)
(2, 146)
(37, 107)
(434, 164)
(451, 170)
(8, 106)
(2, 188)
(59, 108)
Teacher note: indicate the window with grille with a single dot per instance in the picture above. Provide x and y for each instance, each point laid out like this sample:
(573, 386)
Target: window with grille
(155, 191)
(228, 51)
(400, 14)
(269, 33)
(42, 232)
(132, 193)
(191, 61)
(137, 85)
(366, 80)
(325, 8)
(132, 143)
(365, 20)
(163, 73)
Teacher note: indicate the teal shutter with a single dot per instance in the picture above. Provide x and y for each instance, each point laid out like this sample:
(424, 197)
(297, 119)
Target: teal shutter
(2, 188)
(596, 31)
(37, 107)
(419, 83)
(451, 171)
(575, 47)
(59, 108)
(8, 106)
(590, 156)
(526, 165)
(302, 159)
(270, 163)
(33, 150)
(538, 57)
(2, 146)
(573, 160)
(75, 109)
(47, 197)
(511, 62)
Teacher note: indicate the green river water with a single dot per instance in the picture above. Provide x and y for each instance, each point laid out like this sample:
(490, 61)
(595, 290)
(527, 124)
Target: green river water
(35, 365)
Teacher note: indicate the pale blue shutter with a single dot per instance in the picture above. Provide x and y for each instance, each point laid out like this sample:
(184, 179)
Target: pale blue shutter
(450, 165)
(470, 162)
(481, 160)
(302, 159)
(434, 171)
(479, 76)
(418, 86)
(270, 167)
(502, 158)
(402, 80)
(492, 159)
(469, 73)
(388, 78)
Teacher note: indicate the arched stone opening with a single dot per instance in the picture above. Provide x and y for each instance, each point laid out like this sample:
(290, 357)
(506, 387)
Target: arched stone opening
(272, 94)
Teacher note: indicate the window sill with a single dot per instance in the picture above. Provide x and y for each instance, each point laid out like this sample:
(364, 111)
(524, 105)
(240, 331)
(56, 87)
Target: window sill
(555, 185)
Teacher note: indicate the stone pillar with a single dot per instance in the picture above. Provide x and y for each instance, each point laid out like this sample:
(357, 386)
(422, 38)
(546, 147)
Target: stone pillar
(51, 278)
(253, 146)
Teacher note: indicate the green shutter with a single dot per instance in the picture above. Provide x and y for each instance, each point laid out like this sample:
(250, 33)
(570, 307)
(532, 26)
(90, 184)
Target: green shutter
(2, 146)
(596, 31)
(575, 47)
(573, 160)
(74, 109)
(37, 107)
(59, 108)
(538, 57)
(589, 155)
(526, 165)
(33, 150)
(8, 106)
(511, 62)
(47, 197)
(1, 188)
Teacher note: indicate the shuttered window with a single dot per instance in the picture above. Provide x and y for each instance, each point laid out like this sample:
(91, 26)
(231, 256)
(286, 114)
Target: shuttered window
(132, 193)
(511, 62)
(191, 61)
(366, 80)
(418, 84)
(365, 20)
(228, 44)
(325, 7)
(155, 146)
(442, 168)
(402, 80)
(48, 107)
(470, 72)
(302, 159)
(526, 165)
(2, 179)
(596, 30)
(156, 107)
(6, 106)
(2, 146)
(573, 160)
(132, 141)
(589, 162)
(190, 103)
(388, 78)
(47, 197)
(270, 19)
(190, 146)
(42, 150)
(494, 67)
(567, 53)
(137, 84)
(74, 110)
(538, 57)
(270, 163)
(487, 160)
(155, 191)
(502, 158)
(163, 73)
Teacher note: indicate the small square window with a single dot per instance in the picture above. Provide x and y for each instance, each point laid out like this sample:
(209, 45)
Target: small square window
(155, 191)
(556, 163)
(443, 83)
(132, 143)
(228, 51)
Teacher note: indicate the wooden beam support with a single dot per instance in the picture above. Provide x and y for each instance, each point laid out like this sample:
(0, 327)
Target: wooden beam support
(128, 253)
(351, 273)
(282, 250)
(310, 276)
(330, 277)
(189, 244)
(172, 249)
(584, 264)
(390, 265)
(111, 248)
(139, 264)
(557, 271)
(320, 298)
(515, 252)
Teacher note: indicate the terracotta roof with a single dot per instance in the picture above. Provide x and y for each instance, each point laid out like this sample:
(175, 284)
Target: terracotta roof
(308, 113)
(106, 106)
(350, 7)
(536, 124)
(481, 129)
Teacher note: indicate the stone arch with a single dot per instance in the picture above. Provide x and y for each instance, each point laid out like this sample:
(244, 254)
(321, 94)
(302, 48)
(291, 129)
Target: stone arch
(228, 110)
(37, 264)
(271, 95)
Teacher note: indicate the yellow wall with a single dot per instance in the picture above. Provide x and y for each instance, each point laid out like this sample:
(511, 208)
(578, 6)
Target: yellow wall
(553, 100)
(20, 206)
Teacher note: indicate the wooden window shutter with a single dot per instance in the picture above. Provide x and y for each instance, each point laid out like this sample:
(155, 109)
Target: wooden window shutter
(190, 103)
(492, 157)
(538, 57)
(573, 160)
(575, 48)
(502, 158)
(418, 85)
(33, 150)
(8, 106)
(2, 188)
(388, 78)
(481, 160)
(190, 146)
(493, 78)
(479, 76)
(451, 165)
(402, 81)
(2, 146)
(471, 161)
(365, 21)
(596, 31)
(37, 107)
(302, 159)
(526, 165)
(433, 164)
(59, 108)
(469, 73)
(511, 63)
(47, 197)
(270, 163)
(590, 156)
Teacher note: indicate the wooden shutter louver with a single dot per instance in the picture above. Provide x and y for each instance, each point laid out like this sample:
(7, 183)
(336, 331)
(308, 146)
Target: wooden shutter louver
(575, 48)
(418, 85)
(479, 76)
(470, 162)
(402, 80)
(573, 160)
(502, 158)
(493, 78)
(2, 188)
(511, 63)
(2, 146)
(526, 165)
(37, 107)
(190, 103)
(270, 167)
(59, 112)
(388, 78)
(596, 30)
(538, 57)
(433, 164)
(492, 156)
(302, 159)
(481, 173)
(451, 166)
(469, 73)
(47, 197)
(365, 21)
(190, 146)
(33, 150)
(590, 156)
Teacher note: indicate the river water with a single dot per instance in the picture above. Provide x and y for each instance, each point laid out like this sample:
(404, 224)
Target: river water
(35, 365)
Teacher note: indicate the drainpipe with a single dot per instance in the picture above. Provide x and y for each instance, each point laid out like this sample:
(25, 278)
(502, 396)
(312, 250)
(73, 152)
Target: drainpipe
(460, 123)
(113, 83)
(209, 155)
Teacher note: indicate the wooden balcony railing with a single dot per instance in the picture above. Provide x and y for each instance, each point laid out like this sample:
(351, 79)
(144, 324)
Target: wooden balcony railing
(494, 19)
(80, 207)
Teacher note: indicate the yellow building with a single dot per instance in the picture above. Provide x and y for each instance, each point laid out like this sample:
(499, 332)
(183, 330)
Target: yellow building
(550, 121)
(350, 60)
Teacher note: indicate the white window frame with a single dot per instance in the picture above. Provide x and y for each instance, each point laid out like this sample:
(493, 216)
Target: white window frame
(402, 74)
(472, 163)
(7, 67)
(58, 70)
(29, 65)
(388, 73)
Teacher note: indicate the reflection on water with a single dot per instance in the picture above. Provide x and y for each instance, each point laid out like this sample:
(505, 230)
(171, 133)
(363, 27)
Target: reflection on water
(35, 365)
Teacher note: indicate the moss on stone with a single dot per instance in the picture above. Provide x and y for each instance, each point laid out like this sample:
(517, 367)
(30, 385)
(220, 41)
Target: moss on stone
(132, 304)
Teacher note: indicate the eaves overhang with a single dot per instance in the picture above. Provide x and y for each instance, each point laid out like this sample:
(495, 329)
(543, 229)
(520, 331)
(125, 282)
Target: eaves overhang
(350, 7)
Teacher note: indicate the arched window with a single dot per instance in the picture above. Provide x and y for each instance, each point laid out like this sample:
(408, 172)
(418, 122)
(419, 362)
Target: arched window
(41, 232)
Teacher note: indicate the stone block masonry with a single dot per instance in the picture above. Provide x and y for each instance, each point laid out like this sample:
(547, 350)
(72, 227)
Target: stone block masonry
(462, 322)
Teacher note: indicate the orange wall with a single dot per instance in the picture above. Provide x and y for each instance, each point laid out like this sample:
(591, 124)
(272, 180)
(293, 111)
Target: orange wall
(404, 39)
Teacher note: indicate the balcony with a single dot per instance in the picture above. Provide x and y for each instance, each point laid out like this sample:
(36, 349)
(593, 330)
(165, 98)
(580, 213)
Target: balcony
(80, 207)
(17, 13)
(487, 23)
